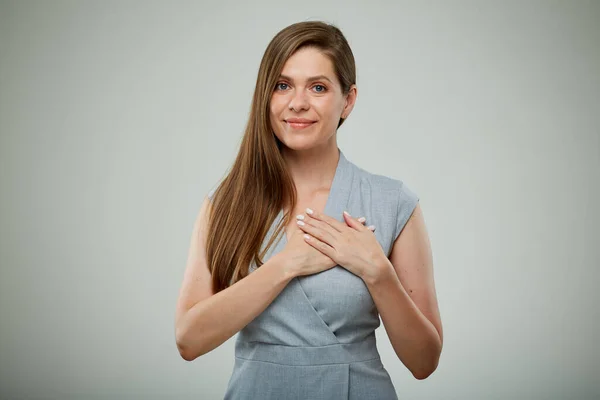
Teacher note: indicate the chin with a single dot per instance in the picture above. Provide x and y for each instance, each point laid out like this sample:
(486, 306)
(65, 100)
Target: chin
(303, 146)
(297, 146)
(298, 143)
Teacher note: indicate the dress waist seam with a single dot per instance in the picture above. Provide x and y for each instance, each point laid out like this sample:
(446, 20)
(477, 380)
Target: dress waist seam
(339, 353)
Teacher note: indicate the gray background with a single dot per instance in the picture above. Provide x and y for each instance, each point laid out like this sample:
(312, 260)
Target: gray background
(116, 118)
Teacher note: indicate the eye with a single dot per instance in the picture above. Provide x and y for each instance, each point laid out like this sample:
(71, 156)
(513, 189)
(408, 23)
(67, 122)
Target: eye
(278, 85)
(321, 86)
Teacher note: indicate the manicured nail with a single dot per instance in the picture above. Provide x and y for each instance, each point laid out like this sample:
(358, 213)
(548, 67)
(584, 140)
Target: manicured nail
(347, 213)
(306, 236)
(300, 223)
(372, 227)
(309, 211)
(362, 219)
(299, 216)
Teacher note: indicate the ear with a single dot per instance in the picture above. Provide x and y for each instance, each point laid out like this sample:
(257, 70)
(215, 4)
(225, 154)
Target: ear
(350, 101)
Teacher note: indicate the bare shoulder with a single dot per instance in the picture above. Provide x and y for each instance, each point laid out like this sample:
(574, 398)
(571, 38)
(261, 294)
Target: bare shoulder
(412, 259)
(196, 285)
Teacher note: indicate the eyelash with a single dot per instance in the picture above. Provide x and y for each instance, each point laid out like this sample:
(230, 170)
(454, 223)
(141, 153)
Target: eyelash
(283, 83)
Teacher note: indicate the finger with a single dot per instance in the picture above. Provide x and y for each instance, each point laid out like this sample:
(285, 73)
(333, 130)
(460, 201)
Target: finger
(353, 222)
(319, 245)
(323, 226)
(317, 232)
(337, 225)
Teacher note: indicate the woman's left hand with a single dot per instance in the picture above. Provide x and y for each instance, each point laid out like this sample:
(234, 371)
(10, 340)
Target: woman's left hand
(351, 245)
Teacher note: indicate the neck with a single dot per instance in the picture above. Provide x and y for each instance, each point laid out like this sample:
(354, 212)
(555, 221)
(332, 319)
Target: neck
(312, 169)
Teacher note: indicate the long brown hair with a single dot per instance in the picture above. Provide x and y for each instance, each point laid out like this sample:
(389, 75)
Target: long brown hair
(250, 197)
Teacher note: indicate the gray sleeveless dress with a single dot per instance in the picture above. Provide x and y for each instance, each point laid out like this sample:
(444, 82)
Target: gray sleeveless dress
(316, 340)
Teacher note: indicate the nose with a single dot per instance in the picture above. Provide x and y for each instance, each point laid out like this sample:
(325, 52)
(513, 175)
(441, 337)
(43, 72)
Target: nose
(298, 101)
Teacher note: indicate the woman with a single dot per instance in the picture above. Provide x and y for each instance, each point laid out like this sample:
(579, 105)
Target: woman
(275, 257)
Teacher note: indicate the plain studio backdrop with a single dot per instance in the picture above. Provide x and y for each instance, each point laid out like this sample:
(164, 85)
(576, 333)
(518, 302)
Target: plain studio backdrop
(117, 118)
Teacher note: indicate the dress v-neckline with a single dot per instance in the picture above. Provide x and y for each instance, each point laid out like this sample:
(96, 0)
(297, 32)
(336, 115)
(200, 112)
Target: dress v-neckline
(339, 187)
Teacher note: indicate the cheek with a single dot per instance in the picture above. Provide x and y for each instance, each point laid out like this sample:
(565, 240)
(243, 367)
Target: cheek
(273, 110)
(330, 111)
(276, 110)
(275, 117)
(277, 104)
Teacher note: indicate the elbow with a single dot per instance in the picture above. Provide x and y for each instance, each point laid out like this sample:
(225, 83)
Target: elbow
(427, 368)
(188, 349)
(424, 373)
(187, 356)
(185, 353)
(421, 375)
(191, 345)
(183, 346)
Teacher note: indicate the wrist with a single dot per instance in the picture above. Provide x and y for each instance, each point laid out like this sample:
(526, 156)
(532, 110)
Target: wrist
(288, 269)
(377, 272)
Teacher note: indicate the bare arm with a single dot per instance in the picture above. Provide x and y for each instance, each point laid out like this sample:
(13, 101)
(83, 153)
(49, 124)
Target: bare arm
(205, 320)
(404, 293)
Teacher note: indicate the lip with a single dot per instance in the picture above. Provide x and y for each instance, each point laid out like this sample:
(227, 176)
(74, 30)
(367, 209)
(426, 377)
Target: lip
(296, 125)
(299, 120)
(299, 123)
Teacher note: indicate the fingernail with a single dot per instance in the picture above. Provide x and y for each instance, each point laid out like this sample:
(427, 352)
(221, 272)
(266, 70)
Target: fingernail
(372, 227)
(362, 219)
(309, 211)
(299, 216)
(347, 213)
(300, 223)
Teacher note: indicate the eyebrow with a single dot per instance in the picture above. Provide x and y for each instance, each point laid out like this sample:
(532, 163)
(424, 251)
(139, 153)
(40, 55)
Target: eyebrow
(309, 79)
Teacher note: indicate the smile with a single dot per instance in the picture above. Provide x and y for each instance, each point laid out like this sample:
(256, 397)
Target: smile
(299, 125)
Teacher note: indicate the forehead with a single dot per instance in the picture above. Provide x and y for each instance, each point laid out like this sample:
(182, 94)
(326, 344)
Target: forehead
(307, 62)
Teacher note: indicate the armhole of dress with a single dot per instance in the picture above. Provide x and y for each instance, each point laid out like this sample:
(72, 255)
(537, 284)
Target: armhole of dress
(407, 202)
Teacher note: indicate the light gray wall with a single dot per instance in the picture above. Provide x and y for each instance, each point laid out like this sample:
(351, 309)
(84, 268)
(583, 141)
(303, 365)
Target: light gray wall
(116, 118)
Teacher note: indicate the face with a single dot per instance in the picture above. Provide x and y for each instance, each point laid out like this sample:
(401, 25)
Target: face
(307, 101)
